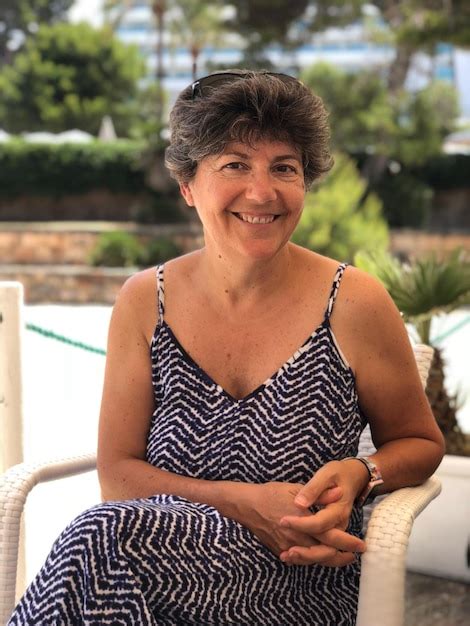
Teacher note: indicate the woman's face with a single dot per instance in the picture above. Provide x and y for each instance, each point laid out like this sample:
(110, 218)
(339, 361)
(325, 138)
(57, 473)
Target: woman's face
(249, 199)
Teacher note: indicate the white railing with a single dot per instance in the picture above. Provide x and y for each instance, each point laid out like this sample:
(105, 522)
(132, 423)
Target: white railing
(11, 388)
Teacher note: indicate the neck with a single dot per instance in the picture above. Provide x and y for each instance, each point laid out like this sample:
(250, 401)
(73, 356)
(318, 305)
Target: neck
(241, 281)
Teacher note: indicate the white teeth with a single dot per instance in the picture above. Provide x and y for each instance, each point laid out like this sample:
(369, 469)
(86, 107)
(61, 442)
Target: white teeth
(257, 219)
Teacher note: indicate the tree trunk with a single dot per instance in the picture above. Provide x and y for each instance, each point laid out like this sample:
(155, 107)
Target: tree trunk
(399, 68)
(444, 408)
(159, 7)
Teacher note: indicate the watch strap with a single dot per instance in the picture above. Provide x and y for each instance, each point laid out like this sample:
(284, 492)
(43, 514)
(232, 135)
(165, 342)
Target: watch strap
(369, 493)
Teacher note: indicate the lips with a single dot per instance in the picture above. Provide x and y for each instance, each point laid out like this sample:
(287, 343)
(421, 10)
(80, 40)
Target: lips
(256, 219)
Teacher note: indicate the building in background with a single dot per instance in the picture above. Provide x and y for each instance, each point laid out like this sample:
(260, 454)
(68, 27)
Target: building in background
(347, 48)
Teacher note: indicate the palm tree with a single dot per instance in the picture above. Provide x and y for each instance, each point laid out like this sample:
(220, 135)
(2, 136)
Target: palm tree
(421, 290)
(114, 12)
(196, 24)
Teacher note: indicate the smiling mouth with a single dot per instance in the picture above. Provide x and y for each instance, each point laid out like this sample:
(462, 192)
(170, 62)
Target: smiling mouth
(256, 219)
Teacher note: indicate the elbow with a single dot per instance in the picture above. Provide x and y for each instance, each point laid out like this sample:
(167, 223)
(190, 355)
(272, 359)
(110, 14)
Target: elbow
(438, 449)
(107, 481)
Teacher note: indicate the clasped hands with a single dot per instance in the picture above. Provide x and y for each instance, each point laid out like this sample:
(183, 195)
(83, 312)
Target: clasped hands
(285, 524)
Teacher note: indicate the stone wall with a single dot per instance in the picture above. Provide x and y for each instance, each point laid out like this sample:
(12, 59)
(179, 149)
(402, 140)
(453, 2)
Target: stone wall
(50, 259)
(410, 244)
(72, 244)
(67, 284)
(99, 204)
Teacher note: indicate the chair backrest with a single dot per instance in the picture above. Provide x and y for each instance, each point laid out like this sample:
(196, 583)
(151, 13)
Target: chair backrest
(423, 355)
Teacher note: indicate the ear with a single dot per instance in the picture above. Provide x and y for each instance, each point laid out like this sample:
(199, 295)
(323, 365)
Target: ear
(186, 193)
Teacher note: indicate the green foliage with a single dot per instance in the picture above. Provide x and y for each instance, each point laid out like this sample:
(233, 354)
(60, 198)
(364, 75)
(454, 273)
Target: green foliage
(424, 119)
(445, 171)
(406, 200)
(58, 169)
(423, 288)
(409, 128)
(158, 251)
(266, 21)
(361, 114)
(70, 76)
(121, 249)
(334, 222)
(145, 120)
(428, 22)
(23, 16)
(416, 23)
(116, 249)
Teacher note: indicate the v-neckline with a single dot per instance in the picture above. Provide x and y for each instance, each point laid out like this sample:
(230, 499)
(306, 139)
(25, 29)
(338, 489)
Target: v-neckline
(283, 368)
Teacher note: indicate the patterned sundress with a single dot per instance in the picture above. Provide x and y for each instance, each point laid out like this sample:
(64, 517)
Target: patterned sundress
(166, 560)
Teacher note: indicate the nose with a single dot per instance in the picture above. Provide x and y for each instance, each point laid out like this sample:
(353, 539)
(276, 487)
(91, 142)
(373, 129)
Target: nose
(260, 188)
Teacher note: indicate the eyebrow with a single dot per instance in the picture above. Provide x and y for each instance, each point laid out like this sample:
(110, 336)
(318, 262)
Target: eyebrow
(244, 155)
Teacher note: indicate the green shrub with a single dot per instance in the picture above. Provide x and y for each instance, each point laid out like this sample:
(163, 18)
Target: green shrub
(158, 251)
(335, 222)
(59, 169)
(446, 171)
(406, 200)
(116, 249)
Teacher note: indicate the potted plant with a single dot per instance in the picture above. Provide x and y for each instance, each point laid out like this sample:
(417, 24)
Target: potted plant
(422, 289)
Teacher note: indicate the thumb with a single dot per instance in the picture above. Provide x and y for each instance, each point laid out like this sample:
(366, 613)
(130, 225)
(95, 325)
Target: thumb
(320, 483)
(330, 495)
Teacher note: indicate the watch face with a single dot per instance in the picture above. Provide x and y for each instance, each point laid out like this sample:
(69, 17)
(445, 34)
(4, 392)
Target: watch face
(375, 481)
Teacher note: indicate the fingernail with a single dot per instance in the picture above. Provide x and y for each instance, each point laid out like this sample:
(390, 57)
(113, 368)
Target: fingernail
(293, 554)
(285, 523)
(302, 500)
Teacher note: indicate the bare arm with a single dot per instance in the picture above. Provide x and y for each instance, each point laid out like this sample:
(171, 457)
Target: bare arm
(409, 443)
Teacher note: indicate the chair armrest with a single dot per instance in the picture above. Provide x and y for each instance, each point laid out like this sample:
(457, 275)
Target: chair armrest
(15, 485)
(382, 585)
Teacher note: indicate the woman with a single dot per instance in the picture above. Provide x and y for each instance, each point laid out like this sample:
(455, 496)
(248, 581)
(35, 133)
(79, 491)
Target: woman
(224, 457)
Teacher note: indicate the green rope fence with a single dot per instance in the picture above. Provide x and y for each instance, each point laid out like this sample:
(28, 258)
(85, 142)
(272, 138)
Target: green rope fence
(451, 331)
(70, 342)
(83, 346)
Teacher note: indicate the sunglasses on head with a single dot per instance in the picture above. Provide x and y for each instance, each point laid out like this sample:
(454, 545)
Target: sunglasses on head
(200, 87)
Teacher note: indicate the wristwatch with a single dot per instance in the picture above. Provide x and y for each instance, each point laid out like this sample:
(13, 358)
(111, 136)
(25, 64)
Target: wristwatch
(375, 479)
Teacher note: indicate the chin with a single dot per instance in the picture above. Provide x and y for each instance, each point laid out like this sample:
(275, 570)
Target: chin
(260, 250)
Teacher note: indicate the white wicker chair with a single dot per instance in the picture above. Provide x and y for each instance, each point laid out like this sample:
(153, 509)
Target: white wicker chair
(381, 596)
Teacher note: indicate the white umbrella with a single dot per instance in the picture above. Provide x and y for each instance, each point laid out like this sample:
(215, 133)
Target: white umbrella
(107, 132)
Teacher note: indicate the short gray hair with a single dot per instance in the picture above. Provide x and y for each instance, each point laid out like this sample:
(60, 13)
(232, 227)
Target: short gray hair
(260, 105)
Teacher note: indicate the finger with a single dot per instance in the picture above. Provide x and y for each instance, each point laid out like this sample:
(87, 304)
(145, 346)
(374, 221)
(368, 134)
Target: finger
(334, 537)
(342, 540)
(324, 520)
(299, 555)
(297, 539)
(321, 481)
(340, 560)
(333, 494)
(321, 555)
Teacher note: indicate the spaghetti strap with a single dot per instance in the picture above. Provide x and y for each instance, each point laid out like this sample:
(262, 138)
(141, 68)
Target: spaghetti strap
(334, 290)
(160, 293)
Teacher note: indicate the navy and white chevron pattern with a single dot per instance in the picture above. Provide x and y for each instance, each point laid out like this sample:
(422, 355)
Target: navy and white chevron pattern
(166, 560)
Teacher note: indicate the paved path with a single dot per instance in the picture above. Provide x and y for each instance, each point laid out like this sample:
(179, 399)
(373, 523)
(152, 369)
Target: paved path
(432, 601)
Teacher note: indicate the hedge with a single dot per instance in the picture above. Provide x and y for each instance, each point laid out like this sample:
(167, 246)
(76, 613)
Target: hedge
(58, 169)
(446, 171)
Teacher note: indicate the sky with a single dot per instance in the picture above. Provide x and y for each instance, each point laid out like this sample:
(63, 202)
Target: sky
(87, 10)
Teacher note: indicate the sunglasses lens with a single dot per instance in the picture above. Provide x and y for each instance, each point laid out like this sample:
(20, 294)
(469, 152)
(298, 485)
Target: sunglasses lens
(201, 87)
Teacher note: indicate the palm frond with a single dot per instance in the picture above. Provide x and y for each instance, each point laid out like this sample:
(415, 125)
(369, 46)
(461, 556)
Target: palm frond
(425, 287)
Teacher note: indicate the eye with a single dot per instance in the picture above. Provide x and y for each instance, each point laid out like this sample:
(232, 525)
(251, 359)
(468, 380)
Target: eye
(285, 168)
(234, 165)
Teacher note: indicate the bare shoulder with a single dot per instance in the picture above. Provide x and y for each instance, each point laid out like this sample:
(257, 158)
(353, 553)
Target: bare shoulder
(364, 298)
(137, 304)
(366, 320)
